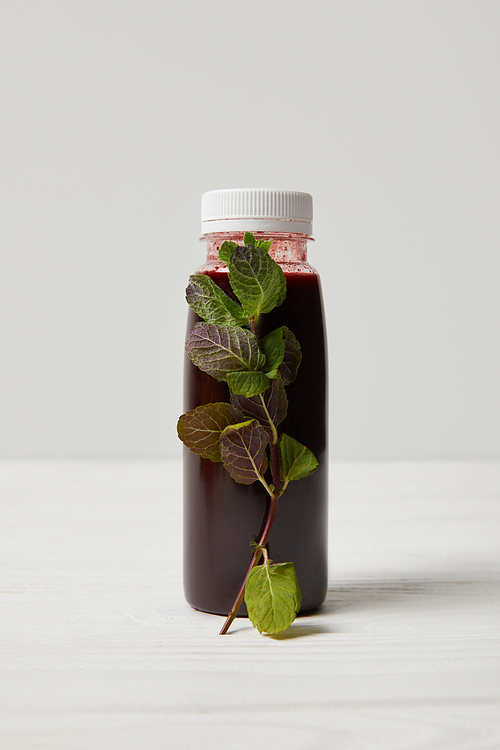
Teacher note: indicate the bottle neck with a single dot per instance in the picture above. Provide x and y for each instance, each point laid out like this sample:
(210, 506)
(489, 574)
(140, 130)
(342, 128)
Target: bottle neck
(286, 248)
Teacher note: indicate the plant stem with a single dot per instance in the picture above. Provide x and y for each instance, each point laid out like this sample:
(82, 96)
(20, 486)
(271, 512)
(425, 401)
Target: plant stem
(263, 540)
(275, 467)
(255, 559)
(268, 416)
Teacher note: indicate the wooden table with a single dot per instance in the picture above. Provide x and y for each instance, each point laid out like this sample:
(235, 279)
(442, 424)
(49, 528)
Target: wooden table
(99, 649)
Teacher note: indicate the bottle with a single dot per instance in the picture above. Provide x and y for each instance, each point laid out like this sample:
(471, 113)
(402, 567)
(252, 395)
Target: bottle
(222, 517)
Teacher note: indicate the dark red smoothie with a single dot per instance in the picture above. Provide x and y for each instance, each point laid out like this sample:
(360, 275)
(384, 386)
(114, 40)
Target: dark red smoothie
(221, 516)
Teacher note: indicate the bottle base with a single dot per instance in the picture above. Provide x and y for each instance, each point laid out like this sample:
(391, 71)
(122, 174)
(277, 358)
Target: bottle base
(243, 611)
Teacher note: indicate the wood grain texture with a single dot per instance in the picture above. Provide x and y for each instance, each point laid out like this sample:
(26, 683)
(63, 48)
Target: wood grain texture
(98, 648)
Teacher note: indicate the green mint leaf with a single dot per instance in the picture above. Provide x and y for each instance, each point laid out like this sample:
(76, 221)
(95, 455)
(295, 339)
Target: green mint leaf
(218, 350)
(272, 596)
(243, 451)
(211, 303)
(270, 405)
(291, 358)
(273, 346)
(200, 429)
(263, 244)
(226, 250)
(257, 280)
(297, 461)
(249, 239)
(247, 383)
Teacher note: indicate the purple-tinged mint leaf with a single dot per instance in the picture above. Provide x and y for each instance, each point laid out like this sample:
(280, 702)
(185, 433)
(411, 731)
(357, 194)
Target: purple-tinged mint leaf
(200, 429)
(291, 359)
(243, 450)
(211, 303)
(272, 404)
(218, 350)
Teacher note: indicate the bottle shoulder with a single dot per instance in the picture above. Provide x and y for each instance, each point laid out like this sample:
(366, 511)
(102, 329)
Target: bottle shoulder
(216, 266)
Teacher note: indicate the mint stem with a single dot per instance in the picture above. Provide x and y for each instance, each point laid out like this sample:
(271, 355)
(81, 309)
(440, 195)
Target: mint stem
(263, 540)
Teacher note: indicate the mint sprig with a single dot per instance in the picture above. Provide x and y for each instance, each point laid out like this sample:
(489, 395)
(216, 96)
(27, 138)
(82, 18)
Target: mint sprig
(243, 434)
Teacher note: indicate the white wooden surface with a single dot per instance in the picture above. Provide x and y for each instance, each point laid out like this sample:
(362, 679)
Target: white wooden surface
(99, 649)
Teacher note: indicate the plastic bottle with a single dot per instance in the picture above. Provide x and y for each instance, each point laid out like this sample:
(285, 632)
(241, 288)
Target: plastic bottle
(222, 517)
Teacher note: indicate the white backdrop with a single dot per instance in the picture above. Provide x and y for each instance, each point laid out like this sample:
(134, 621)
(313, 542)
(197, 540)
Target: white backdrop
(116, 116)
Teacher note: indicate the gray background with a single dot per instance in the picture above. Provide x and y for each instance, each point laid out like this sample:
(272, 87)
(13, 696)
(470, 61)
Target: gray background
(116, 116)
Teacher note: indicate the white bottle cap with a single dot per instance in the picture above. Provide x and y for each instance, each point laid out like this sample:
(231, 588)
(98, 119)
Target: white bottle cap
(256, 210)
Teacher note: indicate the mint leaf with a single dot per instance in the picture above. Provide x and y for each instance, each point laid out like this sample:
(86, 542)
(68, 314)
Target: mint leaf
(200, 429)
(257, 280)
(272, 596)
(243, 451)
(226, 250)
(273, 346)
(297, 461)
(270, 406)
(211, 303)
(247, 383)
(218, 350)
(291, 357)
(263, 244)
(249, 239)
